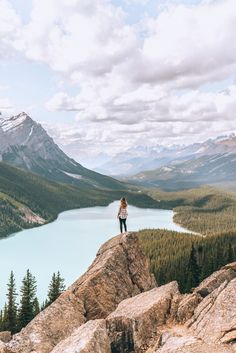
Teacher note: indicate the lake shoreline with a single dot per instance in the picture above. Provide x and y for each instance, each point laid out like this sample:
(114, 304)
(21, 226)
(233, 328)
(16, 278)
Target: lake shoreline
(53, 219)
(69, 243)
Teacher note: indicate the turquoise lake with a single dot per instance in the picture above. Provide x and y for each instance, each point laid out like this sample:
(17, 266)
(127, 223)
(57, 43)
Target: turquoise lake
(70, 243)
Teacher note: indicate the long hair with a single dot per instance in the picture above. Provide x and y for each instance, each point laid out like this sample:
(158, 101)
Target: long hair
(123, 202)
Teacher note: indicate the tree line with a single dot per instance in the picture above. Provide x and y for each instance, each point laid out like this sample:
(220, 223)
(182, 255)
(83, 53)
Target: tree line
(205, 210)
(15, 316)
(184, 257)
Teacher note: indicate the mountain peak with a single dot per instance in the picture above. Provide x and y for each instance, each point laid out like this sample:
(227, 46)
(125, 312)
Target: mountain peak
(12, 122)
(22, 114)
(24, 143)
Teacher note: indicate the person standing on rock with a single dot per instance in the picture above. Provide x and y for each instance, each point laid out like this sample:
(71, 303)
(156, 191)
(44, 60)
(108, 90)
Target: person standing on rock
(123, 214)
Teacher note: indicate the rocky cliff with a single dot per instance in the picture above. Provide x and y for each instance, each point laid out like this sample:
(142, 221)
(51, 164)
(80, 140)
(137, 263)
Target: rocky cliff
(116, 307)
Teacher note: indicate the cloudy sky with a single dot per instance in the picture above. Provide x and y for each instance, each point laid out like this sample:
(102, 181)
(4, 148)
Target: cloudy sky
(106, 75)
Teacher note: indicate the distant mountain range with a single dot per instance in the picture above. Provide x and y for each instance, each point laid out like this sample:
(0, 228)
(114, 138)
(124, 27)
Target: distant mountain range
(141, 158)
(25, 144)
(211, 162)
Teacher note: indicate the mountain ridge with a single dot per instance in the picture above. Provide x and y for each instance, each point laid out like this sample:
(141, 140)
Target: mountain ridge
(26, 144)
(141, 158)
(214, 169)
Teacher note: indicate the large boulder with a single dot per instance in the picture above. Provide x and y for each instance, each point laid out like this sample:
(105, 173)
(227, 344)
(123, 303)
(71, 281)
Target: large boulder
(214, 319)
(91, 337)
(226, 273)
(3, 348)
(134, 324)
(184, 342)
(119, 271)
(186, 306)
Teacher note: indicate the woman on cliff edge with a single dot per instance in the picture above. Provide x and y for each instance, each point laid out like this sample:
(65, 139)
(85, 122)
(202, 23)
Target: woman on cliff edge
(122, 214)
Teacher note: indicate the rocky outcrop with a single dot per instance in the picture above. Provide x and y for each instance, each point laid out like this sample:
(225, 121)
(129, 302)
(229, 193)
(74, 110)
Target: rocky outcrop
(116, 308)
(214, 320)
(133, 324)
(5, 336)
(225, 274)
(119, 271)
(92, 337)
(179, 340)
(185, 307)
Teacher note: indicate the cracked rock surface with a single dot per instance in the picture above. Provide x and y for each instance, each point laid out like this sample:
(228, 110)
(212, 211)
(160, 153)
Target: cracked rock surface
(120, 270)
(116, 307)
(136, 320)
(214, 320)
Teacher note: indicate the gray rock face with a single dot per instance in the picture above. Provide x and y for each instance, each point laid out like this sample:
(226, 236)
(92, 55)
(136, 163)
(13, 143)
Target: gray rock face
(5, 336)
(3, 142)
(25, 144)
(92, 337)
(179, 340)
(186, 306)
(3, 348)
(136, 320)
(119, 271)
(214, 320)
(116, 308)
(226, 273)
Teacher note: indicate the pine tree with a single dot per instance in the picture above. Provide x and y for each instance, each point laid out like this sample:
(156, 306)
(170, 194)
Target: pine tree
(36, 307)
(4, 318)
(27, 302)
(11, 306)
(44, 305)
(1, 320)
(61, 283)
(230, 254)
(56, 287)
(193, 276)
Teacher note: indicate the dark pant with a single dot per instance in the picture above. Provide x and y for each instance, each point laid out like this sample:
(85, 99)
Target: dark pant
(122, 222)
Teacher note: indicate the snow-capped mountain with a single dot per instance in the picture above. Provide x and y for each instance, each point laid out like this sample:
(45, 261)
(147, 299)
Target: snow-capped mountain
(25, 144)
(141, 158)
(209, 168)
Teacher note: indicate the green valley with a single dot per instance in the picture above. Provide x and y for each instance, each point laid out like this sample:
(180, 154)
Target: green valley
(27, 199)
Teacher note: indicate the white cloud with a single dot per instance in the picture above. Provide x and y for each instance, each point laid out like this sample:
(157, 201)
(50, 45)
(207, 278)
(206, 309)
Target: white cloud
(139, 2)
(78, 37)
(6, 106)
(141, 81)
(185, 118)
(10, 25)
(188, 45)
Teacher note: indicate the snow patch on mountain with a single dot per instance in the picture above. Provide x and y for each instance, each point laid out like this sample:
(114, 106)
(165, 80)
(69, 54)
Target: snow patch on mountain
(13, 122)
(76, 176)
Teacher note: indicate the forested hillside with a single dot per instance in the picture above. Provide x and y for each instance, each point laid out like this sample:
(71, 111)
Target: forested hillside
(204, 210)
(184, 257)
(27, 199)
(23, 193)
(189, 258)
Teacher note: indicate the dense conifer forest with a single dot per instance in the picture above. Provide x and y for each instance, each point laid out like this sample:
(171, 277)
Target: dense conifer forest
(204, 210)
(189, 258)
(185, 257)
